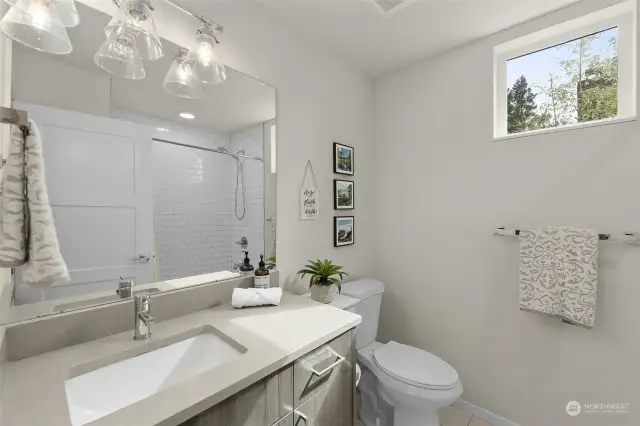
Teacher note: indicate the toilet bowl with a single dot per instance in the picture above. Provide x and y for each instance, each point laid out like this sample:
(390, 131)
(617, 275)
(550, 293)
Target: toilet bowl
(406, 386)
(414, 382)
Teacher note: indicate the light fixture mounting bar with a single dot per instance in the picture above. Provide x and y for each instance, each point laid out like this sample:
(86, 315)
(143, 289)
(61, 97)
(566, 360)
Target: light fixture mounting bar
(200, 18)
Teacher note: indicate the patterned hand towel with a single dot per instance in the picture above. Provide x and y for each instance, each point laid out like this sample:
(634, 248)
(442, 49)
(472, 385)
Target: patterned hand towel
(28, 234)
(13, 207)
(559, 273)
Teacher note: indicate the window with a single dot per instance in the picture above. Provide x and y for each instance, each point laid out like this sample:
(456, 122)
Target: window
(578, 72)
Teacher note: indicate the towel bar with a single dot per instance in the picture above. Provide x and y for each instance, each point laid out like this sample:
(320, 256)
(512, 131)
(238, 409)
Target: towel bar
(14, 116)
(626, 237)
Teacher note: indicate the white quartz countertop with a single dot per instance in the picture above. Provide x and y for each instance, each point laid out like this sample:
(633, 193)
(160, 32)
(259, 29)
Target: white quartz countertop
(33, 391)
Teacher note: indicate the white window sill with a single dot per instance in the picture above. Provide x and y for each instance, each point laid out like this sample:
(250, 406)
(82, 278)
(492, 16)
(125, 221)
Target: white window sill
(565, 128)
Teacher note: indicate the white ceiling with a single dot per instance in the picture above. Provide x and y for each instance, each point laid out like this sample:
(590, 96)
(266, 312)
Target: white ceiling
(379, 43)
(239, 102)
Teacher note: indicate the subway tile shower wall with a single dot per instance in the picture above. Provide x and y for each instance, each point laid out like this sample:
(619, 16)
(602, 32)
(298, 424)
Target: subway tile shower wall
(195, 225)
(252, 225)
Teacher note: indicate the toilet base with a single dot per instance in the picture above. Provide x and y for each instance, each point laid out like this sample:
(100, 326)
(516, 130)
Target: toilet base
(404, 416)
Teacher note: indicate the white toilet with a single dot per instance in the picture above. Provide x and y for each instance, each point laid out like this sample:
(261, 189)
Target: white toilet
(412, 381)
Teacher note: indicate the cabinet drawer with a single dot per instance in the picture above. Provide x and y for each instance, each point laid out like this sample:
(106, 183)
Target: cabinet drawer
(320, 367)
(331, 406)
(261, 404)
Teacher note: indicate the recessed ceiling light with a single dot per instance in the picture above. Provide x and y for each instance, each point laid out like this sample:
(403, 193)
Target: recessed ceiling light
(187, 115)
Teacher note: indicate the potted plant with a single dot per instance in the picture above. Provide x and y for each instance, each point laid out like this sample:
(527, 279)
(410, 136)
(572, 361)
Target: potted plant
(323, 277)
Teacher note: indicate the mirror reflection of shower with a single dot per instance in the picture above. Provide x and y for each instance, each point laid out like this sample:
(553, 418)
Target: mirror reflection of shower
(240, 186)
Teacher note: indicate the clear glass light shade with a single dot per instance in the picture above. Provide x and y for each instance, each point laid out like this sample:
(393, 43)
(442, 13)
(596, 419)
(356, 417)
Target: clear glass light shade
(183, 79)
(119, 55)
(36, 24)
(207, 56)
(66, 10)
(138, 16)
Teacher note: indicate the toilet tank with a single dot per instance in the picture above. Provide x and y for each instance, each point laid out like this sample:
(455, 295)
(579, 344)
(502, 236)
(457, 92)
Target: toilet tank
(369, 295)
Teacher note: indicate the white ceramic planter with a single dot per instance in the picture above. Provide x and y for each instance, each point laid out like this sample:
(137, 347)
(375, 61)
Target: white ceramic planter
(322, 293)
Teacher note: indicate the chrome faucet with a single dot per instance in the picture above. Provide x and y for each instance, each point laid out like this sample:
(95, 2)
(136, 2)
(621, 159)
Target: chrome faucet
(143, 317)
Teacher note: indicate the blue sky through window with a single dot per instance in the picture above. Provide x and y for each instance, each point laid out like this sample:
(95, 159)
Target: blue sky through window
(537, 66)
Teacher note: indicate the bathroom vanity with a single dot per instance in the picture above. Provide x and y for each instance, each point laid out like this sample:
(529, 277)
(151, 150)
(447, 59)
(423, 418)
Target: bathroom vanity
(287, 365)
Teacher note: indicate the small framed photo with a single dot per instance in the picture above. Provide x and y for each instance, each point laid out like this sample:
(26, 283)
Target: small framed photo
(343, 230)
(343, 194)
(342, 159)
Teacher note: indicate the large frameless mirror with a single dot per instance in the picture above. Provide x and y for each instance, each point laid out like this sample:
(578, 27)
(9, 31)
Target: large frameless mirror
(152, 178)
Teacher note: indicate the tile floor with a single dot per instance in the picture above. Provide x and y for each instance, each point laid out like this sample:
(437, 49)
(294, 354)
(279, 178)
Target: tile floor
(451, 416)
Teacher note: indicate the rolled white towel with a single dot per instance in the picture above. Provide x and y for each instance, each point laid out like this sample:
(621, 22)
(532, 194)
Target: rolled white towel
(244, 297)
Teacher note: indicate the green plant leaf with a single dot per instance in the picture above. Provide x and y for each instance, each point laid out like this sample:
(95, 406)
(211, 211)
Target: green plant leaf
(323, 273)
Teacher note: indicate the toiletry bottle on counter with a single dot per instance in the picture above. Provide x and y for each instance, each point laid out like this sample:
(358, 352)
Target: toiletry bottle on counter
(262, 278)
(247, 267)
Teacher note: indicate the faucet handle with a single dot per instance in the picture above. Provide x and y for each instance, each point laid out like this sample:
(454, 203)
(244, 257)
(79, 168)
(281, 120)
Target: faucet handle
(141, 299)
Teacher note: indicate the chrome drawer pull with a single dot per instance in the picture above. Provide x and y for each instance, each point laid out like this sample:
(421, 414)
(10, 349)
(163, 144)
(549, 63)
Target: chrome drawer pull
(300, 416)
(340, 360)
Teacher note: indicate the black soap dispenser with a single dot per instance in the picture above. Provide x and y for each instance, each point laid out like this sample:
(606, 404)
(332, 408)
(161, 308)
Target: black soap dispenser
(261, 278)
(247, 267)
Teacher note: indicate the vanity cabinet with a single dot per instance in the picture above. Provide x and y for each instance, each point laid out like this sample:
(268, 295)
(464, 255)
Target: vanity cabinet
(318, 389)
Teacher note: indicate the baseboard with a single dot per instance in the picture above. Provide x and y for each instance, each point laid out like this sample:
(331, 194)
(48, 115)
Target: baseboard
(483, 414)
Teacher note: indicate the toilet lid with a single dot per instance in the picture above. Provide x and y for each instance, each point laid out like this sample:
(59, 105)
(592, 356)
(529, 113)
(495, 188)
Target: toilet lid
(415, 366)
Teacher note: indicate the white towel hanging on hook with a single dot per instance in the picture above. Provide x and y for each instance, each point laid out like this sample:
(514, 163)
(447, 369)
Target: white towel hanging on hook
(309, 201)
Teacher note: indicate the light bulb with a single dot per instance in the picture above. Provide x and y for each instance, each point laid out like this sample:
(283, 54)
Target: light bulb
(185, 72)
(40, 14)
(206, 57)
(205, 52)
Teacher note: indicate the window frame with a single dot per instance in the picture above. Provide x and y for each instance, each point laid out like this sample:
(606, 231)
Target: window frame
(622, 16)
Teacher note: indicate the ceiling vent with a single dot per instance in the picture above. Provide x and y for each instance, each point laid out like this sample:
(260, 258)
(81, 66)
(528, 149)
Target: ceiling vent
(388, 5)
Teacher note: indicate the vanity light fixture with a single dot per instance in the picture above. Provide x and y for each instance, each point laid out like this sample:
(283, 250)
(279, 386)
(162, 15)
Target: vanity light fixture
(37, 24)
(119, 55)
(206, 54)
(182, 79)
(137, 15)
(131, 35)
(187, 115)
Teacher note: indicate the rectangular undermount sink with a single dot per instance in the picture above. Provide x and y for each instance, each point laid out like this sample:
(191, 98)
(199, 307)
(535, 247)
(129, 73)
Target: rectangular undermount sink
(97, 393)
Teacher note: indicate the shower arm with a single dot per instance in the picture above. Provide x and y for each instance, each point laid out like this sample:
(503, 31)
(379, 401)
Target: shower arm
(201, 148)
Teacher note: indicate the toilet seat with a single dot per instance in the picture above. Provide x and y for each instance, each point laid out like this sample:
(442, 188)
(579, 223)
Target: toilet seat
(415, 367)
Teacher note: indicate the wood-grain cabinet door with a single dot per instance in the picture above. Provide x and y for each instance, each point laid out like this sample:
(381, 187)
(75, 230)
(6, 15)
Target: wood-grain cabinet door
(261, 404)
(286, 421)
(332, 406)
